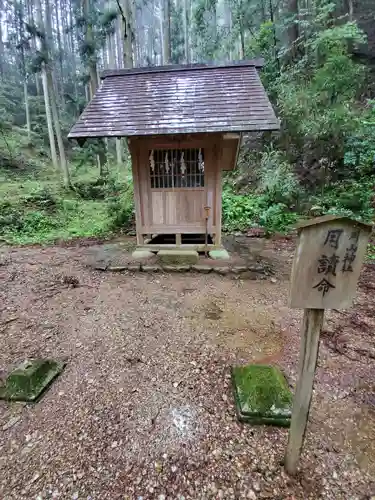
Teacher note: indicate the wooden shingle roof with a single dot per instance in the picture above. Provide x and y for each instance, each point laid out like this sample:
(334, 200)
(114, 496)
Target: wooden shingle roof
(178, 99)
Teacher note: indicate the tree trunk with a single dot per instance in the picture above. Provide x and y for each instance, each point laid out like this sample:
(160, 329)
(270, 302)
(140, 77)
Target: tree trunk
(56, 121)
(127, 34)
(47, 106)
(94, 80)
(119, 56)
(51, 135)
(228, 26)
(69, 39)
(272, 19)
(151, 39)
(27, 109)
(293, 30)
(21, 39)
(48, 26)
(89, 40)
(166, 32)
(49, 99)
(112, 65)
(1, 42)
(50, 44)
(263, 11)
(93, 75)
(350, 9)
(242, 41)
(135, 35)
(111, 52)
(30, 7)
(59, 48)
(186, 31)
(213, 29)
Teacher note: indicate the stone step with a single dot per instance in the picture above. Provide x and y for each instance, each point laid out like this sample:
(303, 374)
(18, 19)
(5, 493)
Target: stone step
(178, 257)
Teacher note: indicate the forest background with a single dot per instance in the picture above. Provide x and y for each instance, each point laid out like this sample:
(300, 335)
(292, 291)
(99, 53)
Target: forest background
(319, 72)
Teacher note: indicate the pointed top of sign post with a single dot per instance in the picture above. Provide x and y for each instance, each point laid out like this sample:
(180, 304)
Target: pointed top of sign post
(330, 218)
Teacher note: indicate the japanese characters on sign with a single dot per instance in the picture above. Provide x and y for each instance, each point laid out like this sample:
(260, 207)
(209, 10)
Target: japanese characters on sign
(328, 262)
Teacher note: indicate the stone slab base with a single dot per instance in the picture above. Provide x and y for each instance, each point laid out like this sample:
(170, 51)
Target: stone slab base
(262, 395)
(142, 255)
(251, 272)
(30, 379)
(178, 257)
(219, 254)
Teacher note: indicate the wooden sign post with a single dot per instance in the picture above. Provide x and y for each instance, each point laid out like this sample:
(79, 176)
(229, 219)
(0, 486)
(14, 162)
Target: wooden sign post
(325, 272)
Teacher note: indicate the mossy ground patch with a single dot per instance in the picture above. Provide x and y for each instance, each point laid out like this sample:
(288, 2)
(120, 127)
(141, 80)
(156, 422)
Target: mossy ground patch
(262, 395)
(30, 379)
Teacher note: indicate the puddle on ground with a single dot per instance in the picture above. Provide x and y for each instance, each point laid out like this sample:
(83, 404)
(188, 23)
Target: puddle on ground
(183, 420)
(253, 330)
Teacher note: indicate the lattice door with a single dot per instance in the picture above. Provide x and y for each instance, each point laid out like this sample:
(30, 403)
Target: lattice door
(177, 181)
(176, 168)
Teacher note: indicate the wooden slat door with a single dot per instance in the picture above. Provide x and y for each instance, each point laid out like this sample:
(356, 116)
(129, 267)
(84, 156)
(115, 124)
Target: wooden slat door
(178, 209)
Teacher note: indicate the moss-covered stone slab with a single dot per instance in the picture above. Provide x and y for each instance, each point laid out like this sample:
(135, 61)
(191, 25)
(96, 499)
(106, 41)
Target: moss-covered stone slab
(30, 379)
(178, 257)
(262, 395)
(219, 254)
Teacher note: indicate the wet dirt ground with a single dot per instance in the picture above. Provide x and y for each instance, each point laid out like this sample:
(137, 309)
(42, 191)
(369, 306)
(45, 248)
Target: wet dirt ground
(144, 408)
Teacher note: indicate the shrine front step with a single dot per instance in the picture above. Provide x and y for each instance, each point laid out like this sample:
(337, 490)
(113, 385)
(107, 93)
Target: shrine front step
(178, 257)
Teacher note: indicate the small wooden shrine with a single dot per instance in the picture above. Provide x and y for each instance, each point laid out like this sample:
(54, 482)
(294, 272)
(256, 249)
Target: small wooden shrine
(183, 125)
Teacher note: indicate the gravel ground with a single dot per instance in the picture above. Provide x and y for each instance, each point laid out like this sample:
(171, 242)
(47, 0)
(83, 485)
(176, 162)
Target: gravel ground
(144, 408)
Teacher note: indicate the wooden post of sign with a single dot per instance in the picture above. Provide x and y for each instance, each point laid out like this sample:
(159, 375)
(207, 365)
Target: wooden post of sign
(311, 328)
(325, 272)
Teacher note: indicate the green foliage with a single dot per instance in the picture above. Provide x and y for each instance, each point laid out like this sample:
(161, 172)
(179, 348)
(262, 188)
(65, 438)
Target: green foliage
(277, 181)
(95, 190)
(121, 210)
(96, 23)
(98, 189)
(351, 198)
(359, 156)
(108, 18)
(316, 97)
(9, 101)
(371, 249)
(263, 44)
(205, 32)
(177, 34)
(323, 160)
(274, 204)
(37, 222)
(14, 220)
(42, 199)
(277, 218)
(239, 211)
(37, 210)
(10, 217)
